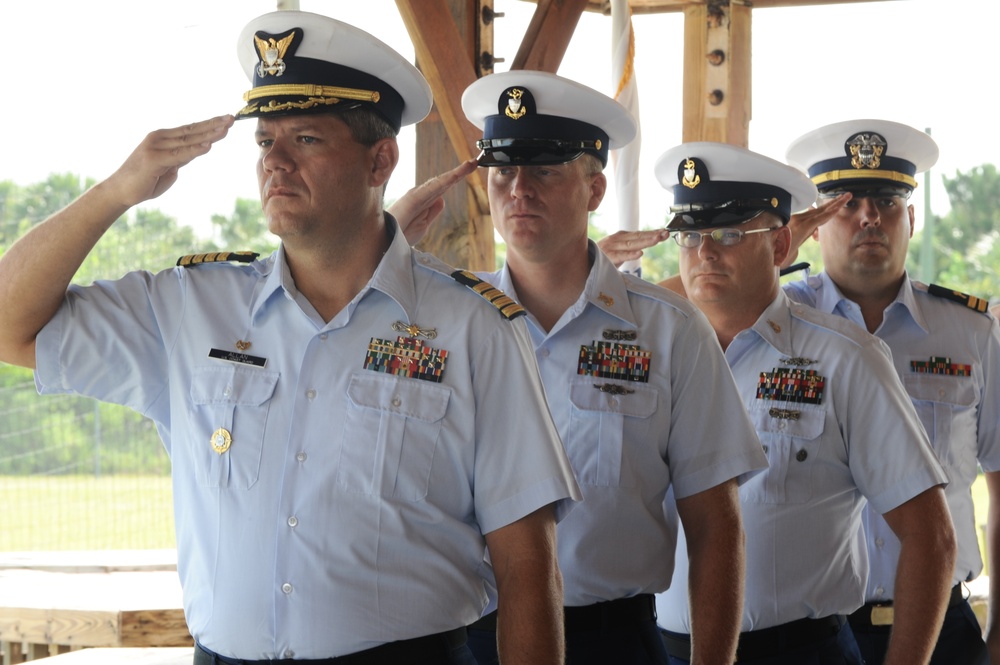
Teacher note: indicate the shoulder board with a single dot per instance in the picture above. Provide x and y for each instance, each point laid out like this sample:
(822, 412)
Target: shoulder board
(509, 309)
(972, 302)
(217, 257)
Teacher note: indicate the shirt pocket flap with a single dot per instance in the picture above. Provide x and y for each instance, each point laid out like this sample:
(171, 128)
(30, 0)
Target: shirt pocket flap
(410, 398)
(232, 386)
(957, 391)
(789, 420)
(636, 401)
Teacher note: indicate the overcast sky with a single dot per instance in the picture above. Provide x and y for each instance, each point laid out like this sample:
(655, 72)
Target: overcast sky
(85, 80)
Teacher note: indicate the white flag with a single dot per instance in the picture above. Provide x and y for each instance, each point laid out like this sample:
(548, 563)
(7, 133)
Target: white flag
(625, 160)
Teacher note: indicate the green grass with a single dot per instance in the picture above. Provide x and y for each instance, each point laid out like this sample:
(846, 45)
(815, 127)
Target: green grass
(133, 512)
(85, 513)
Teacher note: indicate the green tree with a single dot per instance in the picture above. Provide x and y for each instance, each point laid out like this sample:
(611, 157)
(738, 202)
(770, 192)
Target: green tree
(965, 241)
(245, 229)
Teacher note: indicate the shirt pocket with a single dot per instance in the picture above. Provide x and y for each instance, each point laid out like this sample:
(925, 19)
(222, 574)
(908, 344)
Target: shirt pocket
(602, 425)
(792, 445)
(390, 434)
(938, 400)
(236, 400)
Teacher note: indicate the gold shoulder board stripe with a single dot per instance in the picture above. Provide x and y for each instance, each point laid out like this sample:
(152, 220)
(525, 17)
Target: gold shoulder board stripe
(509, 309)
(216, 257)
(972, 302)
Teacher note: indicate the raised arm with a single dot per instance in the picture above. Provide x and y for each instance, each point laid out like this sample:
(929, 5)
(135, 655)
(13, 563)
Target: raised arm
(804, 224)
(417, 209)
(923, 575)
(622, 246)
(37, 269)
(529, 590)
(717, 563)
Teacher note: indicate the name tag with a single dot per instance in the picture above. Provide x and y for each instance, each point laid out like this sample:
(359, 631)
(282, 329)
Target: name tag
(237, 357)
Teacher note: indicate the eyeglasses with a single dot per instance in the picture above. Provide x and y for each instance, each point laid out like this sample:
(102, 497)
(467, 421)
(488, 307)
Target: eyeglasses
(724, 237)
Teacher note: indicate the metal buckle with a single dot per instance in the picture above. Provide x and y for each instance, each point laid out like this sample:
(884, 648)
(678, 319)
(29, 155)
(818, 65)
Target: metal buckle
(882, 615)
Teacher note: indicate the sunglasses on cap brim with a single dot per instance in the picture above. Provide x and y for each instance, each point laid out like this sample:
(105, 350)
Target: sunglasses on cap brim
(539, 152)
(727, 213)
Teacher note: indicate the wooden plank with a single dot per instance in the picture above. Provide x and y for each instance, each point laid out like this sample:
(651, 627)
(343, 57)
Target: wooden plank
(92, 609)
(133, 656)
(545, 41)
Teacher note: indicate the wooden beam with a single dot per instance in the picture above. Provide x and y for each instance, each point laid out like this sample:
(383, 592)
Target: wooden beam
(547, 37)
(448, 67)
(717, 74)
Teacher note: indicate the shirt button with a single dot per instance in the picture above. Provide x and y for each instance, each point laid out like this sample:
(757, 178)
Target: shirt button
(228, 391)
(310, 394)
(781, 425)
(293, 521)
(324, 336)
(301, 457)
(879, 542)
(543, 353)
(289, 654)
(801, 455)
(613, 402)
(879, 591)
(765, 449)
(286, 588)
(396, 401)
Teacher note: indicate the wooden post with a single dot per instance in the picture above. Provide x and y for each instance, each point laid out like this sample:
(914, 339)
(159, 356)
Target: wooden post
(717, 72)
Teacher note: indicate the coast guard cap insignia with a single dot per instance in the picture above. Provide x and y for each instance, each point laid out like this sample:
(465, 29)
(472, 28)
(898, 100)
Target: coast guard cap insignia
(272, 52)
(515, 107)
(865, 150)
(690, 179)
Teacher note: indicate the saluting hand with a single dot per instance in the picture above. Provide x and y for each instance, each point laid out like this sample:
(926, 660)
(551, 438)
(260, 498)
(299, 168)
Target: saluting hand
(152, 167)
(622, 246)
(416, 210)
(805, 224)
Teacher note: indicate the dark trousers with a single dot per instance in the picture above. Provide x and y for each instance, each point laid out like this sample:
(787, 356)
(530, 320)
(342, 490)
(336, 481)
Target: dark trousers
(960, 642)
(619, 632)
(443, 649)
(804, 642)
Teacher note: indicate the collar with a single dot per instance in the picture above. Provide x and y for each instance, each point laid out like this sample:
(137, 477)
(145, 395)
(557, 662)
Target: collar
(831, 300)
(393, 276)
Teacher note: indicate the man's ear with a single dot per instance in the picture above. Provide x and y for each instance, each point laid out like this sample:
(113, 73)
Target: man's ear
(598, 188)
(782, 244)
(385, 156)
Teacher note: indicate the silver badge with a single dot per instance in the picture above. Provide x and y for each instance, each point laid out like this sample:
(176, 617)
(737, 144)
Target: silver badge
(271, 55)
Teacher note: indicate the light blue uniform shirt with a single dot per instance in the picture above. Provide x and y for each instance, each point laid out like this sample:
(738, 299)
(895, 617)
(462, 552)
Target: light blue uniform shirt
(805, 553)
(349, 509)
(684, 427)
(961, 413)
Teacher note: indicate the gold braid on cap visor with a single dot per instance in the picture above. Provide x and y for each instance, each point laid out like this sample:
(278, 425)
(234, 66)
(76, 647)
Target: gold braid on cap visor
(317, 94)
(850, 174)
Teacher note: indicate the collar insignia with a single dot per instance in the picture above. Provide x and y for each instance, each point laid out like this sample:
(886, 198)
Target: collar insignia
(865, 150)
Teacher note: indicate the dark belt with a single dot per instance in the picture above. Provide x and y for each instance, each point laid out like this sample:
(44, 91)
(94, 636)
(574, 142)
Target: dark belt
(419, 649)
(607, 614)
(766, 642)
(880, 615)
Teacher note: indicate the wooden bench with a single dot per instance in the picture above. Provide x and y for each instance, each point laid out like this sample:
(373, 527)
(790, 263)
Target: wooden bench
(44, 613)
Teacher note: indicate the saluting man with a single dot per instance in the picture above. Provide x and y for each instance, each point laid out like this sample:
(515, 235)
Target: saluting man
(945, 348)
(636, 382)
(350, 424)
(833, 419)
